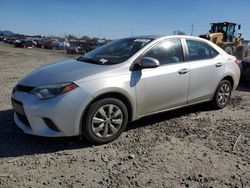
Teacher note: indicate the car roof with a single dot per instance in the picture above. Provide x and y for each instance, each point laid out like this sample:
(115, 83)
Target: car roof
(162, 37)
(158, 38)
(154, 37)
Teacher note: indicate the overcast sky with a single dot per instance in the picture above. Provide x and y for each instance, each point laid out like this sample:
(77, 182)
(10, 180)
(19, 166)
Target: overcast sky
(120, 18)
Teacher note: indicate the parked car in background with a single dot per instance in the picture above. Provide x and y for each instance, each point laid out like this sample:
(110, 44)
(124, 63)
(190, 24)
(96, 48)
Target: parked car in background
(82, 46)
(98, 93)
(25, 43)
(246, 44)
(245, 63)
(63, 44)
(9, 40)
(49, 44)
(52, 43)
(40, 43)
(77, 47)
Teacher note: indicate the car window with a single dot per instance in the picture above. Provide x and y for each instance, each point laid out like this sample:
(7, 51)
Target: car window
(199, 50)
(166, 52)
(115, 52)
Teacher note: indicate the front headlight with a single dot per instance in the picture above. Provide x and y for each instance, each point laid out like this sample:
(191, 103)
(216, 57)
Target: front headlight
(45, 92)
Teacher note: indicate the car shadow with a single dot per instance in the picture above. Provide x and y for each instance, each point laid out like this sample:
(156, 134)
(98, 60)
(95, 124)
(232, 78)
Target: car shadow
(165, 116)
(14, 143)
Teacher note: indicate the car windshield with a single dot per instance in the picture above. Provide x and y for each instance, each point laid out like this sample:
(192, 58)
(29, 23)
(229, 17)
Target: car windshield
(115, 52)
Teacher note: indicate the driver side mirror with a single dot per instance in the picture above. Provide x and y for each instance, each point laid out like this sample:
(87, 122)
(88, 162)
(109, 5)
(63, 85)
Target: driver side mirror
(149, 62)
(239, 26)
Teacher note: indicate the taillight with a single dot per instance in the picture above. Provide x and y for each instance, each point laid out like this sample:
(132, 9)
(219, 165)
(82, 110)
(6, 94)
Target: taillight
(237, 62)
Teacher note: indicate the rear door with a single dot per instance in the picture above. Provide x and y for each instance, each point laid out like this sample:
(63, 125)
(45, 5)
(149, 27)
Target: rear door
(206, 70)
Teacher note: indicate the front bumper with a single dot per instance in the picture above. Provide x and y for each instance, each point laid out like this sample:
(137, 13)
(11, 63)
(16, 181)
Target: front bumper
(64, 111)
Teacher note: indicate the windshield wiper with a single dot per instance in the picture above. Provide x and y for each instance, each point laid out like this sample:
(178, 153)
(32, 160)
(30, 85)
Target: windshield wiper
(88, 60)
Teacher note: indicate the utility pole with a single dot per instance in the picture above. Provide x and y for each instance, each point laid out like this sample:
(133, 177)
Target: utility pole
(192, 29)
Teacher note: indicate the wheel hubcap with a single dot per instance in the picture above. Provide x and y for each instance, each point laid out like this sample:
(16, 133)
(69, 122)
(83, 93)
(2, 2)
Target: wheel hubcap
(107, 121)
(223, 94)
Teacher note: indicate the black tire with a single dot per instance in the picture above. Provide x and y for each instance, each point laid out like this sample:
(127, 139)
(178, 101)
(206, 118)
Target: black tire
(218, 99)
(93, 112)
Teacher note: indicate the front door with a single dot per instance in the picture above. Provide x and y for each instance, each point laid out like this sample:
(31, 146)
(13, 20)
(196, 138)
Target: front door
(166, 86)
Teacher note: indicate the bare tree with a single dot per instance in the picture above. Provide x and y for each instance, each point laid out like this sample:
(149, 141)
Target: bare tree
(70, 37)
(178, 32)
(86, 38)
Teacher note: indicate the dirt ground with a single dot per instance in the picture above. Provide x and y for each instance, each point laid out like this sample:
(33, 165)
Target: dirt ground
(191, 147)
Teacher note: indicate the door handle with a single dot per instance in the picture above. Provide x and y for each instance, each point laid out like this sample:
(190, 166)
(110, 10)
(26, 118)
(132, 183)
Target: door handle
(183, 71)
(218, 64)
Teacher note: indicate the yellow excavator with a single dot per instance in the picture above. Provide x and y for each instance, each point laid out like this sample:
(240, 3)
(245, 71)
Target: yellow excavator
(223, 35)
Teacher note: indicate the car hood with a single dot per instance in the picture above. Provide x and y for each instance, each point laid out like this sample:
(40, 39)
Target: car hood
(63, 71)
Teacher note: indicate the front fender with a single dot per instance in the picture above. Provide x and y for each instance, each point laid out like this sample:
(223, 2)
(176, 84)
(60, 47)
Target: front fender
(117, 84)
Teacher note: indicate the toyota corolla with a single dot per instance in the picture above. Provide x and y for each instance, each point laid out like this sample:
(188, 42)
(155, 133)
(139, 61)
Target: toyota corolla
(97, 94)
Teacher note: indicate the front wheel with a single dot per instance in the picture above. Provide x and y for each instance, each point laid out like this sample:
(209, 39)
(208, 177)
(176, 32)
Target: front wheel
(222, 94)
(105, 120)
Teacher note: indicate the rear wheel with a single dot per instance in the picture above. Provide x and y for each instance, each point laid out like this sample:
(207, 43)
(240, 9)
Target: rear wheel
(105, 120)
(222, 94)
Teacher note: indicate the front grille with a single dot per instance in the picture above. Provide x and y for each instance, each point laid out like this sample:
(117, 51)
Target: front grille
(23, 119)
(26, 89)
(50, 124)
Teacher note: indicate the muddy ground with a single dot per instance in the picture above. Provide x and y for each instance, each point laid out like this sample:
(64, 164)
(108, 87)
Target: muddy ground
(191, 147)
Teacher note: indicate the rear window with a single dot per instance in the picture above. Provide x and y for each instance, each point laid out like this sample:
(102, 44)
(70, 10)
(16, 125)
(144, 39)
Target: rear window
(199, 50)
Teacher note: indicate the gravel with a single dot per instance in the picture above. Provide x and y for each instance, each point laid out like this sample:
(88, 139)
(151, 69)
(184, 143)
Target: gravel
(190, 147)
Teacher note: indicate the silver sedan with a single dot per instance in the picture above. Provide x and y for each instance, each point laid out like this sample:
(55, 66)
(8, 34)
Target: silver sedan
(98, 93)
